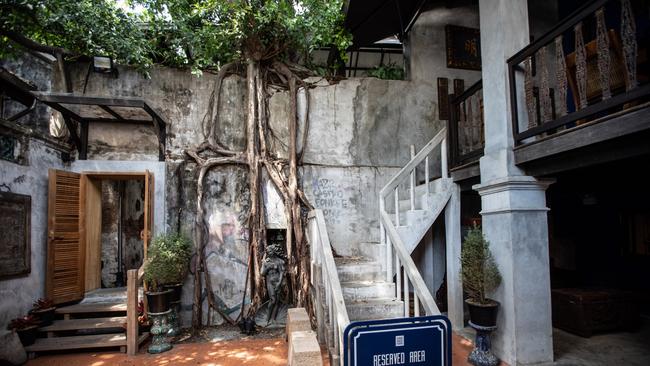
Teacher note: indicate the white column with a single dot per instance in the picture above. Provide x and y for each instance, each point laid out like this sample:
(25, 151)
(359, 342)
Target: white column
(453, 240)
(513, 205)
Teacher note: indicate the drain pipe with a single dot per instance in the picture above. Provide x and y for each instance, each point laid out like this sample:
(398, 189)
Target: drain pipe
(119, 276)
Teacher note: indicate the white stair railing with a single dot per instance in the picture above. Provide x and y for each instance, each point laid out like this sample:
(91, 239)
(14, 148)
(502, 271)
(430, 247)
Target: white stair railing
(322, 260)
(398, 259)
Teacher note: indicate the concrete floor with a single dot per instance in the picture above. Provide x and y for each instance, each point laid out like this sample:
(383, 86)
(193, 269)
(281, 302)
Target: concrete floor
(616, 348)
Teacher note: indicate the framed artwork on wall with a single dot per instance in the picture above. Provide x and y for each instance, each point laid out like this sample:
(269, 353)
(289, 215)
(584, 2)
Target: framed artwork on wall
(463, 46)
(15, 234)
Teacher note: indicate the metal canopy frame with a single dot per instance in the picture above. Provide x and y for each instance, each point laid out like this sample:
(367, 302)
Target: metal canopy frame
(15, 88)
(108, 105)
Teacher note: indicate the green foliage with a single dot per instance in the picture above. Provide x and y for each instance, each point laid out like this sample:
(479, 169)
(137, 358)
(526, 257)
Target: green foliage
(168, 260)
(200, 34)
(87, 27)
(387, 72)
(479, 270)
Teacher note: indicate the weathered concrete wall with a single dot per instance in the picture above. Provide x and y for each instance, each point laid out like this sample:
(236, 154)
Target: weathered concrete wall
(428, 50)
(359, 136)
(31, 179)
(180, 98)
(40, 73)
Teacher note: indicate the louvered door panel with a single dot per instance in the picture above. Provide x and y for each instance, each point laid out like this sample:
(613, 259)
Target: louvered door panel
(65, 252)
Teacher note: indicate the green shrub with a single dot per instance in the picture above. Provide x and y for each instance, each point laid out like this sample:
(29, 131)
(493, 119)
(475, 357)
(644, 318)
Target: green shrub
(168, 260)
(479, 270)
(387, 72)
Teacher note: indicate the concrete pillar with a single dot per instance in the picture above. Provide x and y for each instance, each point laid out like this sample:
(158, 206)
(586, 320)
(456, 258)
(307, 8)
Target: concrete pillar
(513, 204)
(453, 241)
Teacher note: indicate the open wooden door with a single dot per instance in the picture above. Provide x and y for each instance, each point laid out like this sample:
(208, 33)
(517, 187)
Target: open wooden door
(64, 280)
(148, 211)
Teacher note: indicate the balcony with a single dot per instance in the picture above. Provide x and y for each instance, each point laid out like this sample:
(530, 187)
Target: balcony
(579, 95)
(466, 132)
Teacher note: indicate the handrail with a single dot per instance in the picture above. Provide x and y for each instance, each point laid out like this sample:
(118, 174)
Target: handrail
(389, 235)
(464, 144)
(322, 255)
(133, 281)
(413, 163)
(410, 268)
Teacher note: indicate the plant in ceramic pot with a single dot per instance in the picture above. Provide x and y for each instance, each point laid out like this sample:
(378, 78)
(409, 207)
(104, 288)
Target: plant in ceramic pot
(43, 309)
(480, 276)
(26, 328)
(177, 249)
(158, 271)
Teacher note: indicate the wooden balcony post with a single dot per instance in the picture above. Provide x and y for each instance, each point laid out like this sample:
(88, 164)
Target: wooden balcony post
(132, 312)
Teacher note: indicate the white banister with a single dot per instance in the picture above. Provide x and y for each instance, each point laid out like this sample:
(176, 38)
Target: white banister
(412, 180)
(323, 257)
(406, 273)
(426, 173)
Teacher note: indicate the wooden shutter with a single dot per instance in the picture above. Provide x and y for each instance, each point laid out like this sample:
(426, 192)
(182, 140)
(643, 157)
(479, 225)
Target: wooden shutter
(65, 253)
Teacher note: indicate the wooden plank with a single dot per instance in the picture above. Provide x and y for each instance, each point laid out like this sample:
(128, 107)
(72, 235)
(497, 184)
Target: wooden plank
(132, 312)
(92, 323)
(443, 99)
(585, 135)
(116, 175)
(68, 98)
(92, 308)
(77, 342)
(91, 223)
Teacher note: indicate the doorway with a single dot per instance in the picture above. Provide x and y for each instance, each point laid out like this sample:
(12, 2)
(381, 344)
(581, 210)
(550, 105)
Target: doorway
(100, 224)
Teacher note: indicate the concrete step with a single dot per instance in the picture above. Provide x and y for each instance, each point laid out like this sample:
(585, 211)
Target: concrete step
(375, 309)
(366, 290)
(358, 269)
(372, 250)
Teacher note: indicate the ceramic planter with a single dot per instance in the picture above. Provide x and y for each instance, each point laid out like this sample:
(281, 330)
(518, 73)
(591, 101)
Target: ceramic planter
(158, 302)
(483, 315)
(46, 316)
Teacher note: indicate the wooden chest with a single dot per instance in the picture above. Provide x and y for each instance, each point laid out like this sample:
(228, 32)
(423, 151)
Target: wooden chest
(587, 311)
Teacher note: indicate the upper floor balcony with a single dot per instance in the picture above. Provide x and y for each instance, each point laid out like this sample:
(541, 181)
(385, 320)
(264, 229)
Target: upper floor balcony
(579, 95)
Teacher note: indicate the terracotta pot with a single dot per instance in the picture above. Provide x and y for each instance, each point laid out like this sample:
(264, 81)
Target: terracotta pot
(158, 302)
(27, 335)
(177, 289)
(484, 315)
(46, 316)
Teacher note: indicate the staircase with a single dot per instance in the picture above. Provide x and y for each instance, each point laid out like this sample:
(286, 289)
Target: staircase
(98, 321)
(382, 281)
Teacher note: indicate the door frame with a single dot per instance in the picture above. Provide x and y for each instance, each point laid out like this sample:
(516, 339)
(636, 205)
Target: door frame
(90, 223)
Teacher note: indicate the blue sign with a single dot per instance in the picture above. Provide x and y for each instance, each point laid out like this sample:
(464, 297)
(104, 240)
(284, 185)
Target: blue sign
(422, 341)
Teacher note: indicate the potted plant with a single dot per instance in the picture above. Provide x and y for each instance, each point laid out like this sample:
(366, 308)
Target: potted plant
(156, 272)
(44, 310)
(26, 328)
(177, 248)
(480, 276)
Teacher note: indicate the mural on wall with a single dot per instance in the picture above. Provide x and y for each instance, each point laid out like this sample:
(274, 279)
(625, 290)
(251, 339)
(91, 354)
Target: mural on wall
(15, 241)
(463, 46)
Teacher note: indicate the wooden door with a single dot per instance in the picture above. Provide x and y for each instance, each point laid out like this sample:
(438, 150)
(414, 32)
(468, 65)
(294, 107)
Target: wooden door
(148, 211)
(64, 281)
(91, 226)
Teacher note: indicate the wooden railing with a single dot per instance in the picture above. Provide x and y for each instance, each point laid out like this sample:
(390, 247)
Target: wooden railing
(583, 68)
(397, 257)
(327, 279)
(133, 281)
(466, 125)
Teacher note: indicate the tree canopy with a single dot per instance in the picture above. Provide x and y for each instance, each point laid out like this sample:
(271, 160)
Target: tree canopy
(200, 34)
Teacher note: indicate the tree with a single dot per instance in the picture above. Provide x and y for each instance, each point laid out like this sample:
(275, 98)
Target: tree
(262, 39)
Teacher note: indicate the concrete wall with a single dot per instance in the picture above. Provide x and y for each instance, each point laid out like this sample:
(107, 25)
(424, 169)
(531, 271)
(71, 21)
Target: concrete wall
(359, 136)
(428, 50)
(31, 179)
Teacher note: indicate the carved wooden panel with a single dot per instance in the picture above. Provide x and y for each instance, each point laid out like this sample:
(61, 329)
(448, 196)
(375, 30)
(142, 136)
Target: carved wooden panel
(443, 98)
(15, 238)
